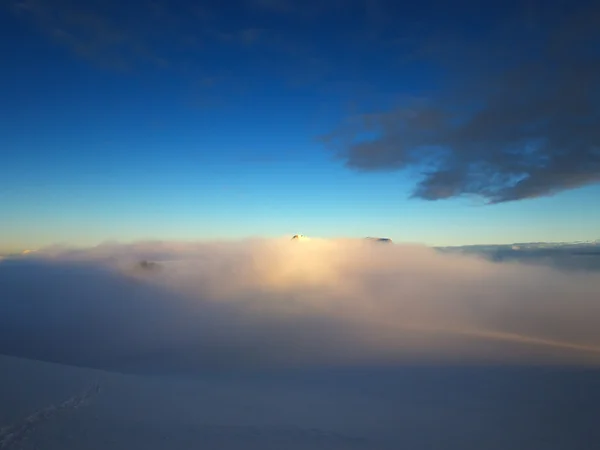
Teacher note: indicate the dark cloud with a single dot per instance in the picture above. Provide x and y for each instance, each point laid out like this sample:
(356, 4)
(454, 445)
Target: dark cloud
(518, 117)
(515, 116)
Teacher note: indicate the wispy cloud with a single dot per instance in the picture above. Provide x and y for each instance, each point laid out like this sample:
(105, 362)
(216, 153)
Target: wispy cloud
(181, 37)
(94, 31)
(278, 6)
(300, 9)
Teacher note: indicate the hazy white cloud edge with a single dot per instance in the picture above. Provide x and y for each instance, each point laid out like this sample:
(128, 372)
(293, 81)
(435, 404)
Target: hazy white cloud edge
(275, 302)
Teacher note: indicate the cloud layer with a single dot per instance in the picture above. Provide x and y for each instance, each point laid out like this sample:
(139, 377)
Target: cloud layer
(278, 303)
(516, 118)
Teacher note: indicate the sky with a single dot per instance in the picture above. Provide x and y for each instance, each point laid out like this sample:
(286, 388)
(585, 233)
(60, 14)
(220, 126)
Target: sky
(443, 123)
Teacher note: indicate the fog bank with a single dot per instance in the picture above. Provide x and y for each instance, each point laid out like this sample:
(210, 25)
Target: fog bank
(275, 303)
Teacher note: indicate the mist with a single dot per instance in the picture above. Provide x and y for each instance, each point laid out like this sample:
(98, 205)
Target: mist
(272, 303)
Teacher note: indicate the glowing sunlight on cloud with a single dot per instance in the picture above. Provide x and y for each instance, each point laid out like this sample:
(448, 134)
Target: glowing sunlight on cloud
(275, 302)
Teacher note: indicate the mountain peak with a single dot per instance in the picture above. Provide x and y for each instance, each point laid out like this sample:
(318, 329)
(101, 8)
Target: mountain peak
(299, 237)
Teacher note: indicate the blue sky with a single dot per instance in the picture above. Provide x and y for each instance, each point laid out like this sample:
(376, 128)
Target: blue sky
(197, 120)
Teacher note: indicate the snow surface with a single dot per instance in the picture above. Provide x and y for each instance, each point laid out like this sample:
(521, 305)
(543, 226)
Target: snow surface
(50, 406)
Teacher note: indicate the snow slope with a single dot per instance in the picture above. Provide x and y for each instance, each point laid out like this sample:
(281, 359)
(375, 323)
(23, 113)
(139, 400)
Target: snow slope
(50, 406)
